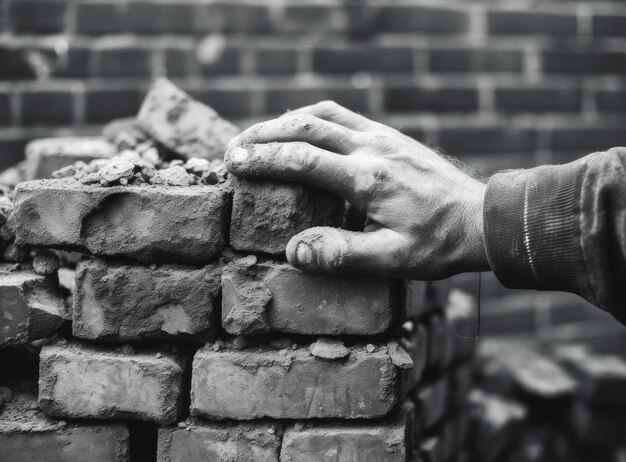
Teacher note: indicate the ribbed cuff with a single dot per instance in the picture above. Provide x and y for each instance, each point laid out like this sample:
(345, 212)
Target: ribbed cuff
(532, 227)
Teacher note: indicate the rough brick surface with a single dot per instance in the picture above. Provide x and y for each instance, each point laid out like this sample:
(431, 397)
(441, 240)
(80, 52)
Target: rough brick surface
(46, 155)
(31, 306)
(266, 214)
(274, 296)
(185, 126)
(293, 384)
(126, 302)
(80, 381)
(340, 442)
(215, 442)
(149, 223)
(27, 435)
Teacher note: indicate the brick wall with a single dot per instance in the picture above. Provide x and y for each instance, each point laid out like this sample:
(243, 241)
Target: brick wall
(500, 84)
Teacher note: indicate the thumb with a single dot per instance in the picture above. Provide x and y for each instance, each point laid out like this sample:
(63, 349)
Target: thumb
(334, 250)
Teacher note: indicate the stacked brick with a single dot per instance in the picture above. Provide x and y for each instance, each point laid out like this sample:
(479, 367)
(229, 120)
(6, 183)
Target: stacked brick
(548, 403)
(186, 316)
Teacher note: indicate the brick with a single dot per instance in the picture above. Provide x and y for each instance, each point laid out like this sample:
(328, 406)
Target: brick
(121, 302)
(12, 150)
(430, 99)
(169, 17)
(281, 100)
(308, 17)
(223, 61)
(76, 63)
(267, 214)
(15, 64)
(5, 108)
(460, 382)
(234, 102)
(430, 402)
(123, 60)
(583, 62)
(186, 126)
(453, 60)
(100, 17)
(27, 435)
(179, 61)
(601, 377)
(47, 107)
(344, 442)
(531, 23)
(292, 384)
(430, 20)
(598, 426)
(495, 424)
(187, 224)
(230, 17)
(414, 303)
(274, 61)
(46, 155)
(611, 100)
(362, 59)
(586, 139)
(321, 305)
(437, 342)
(103, 105)
(221, 442)
(37, 16)
(484, 140)
(415, 344)
(538, 99)
(32, 306)
(80, 381)
(609, 25)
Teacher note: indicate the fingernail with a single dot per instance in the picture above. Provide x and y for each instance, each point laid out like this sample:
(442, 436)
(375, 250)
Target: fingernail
(237, 156)
(304, 254)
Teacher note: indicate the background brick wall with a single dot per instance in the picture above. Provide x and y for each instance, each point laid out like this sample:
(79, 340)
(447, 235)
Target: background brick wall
(498, 83)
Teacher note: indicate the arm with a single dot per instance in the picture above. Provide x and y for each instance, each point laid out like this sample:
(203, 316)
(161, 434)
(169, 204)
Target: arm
(562, 228)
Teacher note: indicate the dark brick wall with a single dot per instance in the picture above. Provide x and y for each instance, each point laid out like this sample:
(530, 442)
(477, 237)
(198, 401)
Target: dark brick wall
(498, 83)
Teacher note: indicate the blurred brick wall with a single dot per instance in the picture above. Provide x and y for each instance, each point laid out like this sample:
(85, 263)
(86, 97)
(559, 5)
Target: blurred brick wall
(497, 83)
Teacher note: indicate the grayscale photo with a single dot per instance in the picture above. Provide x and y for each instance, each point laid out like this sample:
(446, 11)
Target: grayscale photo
(312, 231)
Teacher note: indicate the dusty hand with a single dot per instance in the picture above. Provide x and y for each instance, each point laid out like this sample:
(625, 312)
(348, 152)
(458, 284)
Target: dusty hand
(423, 214)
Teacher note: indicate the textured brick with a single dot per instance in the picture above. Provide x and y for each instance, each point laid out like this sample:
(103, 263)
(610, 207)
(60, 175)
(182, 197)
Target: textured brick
(308, 17)
(362, 59)
(281, 100)
(103, 105)
(31, 306)
(273, 296)
(47, 155)
(80, 381)
(431, 99)
(531, 23)
(12, 150)
(273, 61)
(38, 16)
(186, 126)
(226, 16)
(47, 107)
(100, 17)
(172, 223)
(583, 62)
(226, 61)
(538, 99)
(179, 61)
(114, 301)
(221, 442)
(610, 25)
(237, 102)
(5, 108)
(266, 214)
(586, 139)
(15, 64)
(27, 435)
(292, 384)
(484, 140)
(123, 61)
(169, 17)
(343, 442)
(611, 101)
(425, 19)
(76, 63)
(454, 60)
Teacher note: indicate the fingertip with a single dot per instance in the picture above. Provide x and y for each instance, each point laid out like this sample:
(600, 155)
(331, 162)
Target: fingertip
(235, 158)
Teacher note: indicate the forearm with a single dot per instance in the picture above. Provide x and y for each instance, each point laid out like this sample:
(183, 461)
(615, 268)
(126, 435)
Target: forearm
(562, 228)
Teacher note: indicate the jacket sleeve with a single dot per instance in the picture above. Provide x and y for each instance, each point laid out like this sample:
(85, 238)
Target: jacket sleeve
(562, 227)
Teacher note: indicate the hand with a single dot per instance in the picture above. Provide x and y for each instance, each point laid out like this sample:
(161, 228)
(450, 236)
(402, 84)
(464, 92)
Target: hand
(423, 214)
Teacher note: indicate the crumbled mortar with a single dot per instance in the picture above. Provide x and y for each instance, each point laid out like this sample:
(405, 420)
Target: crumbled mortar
(329, 349)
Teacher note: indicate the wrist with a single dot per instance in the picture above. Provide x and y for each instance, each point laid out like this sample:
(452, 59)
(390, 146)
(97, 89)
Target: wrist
(476, 254)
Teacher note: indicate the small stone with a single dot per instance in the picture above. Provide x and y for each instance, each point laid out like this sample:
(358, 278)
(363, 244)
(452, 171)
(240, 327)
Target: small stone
(128, 349)
(158, 355)
(370, 348)
(151, 155)
(197, 166)
(91, 178)
(399, 357)
(117, 169)
(61, 423)
(299, 426)
(173, 176)
(153, 266)
(65, 172)
(280, 343)
(182, 425)
(329, 349)
(271, 430)
(45, 264)
(239, 343)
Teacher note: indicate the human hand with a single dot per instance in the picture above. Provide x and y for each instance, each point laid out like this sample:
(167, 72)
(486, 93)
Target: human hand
(423, 214)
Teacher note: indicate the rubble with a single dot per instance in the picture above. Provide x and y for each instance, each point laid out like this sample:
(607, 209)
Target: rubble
(329, 349)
